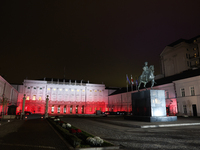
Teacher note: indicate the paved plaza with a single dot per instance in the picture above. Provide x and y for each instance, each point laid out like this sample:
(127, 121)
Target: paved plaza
(130, 136)
(38, 134)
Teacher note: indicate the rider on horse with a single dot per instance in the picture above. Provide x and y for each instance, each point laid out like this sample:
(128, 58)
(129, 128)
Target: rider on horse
(147, 75)
(145, 72)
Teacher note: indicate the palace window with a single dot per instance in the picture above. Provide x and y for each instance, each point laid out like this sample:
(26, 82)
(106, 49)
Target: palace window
(27, 98)
(185, 109)
(65, 110)
(188, 63)
(34, 97)
(82, 109)
(183, 92)
(166, 94)
(58, 109)
(192, 92)
(77, 109)
(71, 109)
(52, 109)
(40, 98)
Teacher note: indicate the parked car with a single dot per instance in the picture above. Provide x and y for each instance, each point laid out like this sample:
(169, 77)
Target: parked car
(121, 113)
(25, 112)
(106, 112)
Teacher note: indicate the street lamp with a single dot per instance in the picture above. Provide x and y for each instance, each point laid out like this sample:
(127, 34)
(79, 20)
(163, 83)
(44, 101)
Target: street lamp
(24, 99)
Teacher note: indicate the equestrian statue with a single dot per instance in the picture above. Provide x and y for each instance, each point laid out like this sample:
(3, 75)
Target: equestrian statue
(147, 76)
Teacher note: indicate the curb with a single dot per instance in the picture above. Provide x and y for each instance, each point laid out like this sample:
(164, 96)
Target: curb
(170, 125)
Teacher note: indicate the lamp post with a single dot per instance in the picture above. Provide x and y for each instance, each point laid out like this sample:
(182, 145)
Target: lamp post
(47, 104)
(24, 99)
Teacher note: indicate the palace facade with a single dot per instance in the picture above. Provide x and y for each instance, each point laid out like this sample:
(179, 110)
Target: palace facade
(64, 97)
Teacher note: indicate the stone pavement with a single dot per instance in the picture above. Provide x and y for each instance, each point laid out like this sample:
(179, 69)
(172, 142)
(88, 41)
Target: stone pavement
(29, 134)
(38, 134)
(130, 136)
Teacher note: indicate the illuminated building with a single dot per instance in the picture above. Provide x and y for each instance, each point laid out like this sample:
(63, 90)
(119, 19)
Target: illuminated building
(64, 97)
(182, 59)
(9, 93)
(181, 55)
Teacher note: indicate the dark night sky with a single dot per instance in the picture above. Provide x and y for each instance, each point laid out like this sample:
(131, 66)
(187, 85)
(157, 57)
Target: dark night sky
(99, 41)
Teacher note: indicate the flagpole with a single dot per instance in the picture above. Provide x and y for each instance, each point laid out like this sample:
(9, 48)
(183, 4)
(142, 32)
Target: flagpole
(132, 82)
(136, 83)
(127, 91)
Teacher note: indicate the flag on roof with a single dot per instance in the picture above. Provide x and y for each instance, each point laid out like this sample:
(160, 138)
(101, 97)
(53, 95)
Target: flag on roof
(132, 80)
(136, 81)
(127, 79)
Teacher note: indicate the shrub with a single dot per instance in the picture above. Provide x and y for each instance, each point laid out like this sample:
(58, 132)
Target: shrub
(64, 125)
(81, 138)
(78, 131)
(96, 141)
(73, 131)
(72, 139)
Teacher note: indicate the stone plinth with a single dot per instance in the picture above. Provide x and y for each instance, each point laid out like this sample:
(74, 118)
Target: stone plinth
(150, 106)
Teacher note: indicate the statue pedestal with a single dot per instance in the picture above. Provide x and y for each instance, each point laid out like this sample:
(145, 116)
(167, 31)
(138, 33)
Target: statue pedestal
(150, 106)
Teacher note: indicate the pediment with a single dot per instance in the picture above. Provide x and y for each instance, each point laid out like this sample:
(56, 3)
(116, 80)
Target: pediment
(166, 50)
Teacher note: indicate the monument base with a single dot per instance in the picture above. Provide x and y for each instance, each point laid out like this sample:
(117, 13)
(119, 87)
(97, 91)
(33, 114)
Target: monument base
(152, 119)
